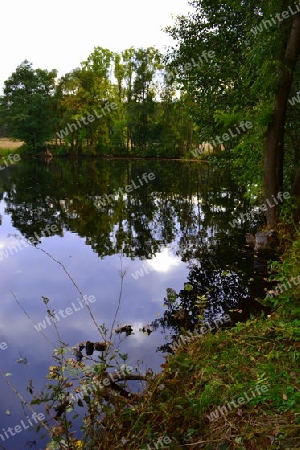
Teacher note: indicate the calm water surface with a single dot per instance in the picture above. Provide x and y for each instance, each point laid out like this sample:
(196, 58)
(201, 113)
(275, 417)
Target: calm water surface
(166, 232)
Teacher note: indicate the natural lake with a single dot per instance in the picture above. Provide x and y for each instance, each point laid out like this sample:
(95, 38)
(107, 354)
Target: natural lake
(125, 232)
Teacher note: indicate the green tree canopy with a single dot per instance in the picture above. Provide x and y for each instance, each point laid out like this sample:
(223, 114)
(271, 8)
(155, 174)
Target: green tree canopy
(256, 46)
(27, 105)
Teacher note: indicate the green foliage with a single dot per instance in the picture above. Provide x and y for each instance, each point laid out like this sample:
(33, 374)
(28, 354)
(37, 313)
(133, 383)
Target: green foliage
(286, 274)
(87, 112)
(239, 83)
(27, 106)
(201, 304)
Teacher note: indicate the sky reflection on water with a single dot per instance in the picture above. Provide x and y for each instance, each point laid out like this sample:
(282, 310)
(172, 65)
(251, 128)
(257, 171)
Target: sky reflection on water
(156, 235)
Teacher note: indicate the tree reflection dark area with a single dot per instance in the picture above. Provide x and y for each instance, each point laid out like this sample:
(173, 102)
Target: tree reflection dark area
(188, 205)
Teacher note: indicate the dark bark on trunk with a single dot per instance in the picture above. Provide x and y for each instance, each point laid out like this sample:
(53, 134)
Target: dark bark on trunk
(274, 156)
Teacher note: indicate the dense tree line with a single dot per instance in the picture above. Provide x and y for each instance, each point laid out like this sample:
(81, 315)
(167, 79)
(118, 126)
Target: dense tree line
(119, 104)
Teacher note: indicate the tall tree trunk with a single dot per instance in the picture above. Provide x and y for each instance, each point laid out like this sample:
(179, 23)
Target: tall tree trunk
(273, 172)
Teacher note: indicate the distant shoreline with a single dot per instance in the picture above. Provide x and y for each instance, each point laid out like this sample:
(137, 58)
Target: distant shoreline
(9, 146)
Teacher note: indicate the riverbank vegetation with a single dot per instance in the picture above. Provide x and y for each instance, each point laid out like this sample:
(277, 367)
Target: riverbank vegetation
(8, 146)
(233, 388)
(211, 371)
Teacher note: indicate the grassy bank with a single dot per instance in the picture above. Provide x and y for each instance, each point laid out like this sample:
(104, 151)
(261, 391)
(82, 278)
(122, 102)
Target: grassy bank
(8, 147)
(250, 372)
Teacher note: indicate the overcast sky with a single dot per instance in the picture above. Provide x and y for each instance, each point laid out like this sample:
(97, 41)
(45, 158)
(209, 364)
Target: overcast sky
(62, 33)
